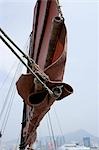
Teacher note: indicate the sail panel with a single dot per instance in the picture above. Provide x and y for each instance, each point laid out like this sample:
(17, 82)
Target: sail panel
(48, 10)
(48, 47)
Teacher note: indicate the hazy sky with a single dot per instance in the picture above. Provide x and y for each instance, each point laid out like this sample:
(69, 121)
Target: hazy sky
(80, 110)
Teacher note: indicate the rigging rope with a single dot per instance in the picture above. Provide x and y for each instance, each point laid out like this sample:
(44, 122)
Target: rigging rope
(8, 112)
(4, 81)
(51, 140)
(13, 92)
(9, 39)
(8, 109)
(28, 67)
(59, 9)
(58, 122)
(55, 147)
(6, 99)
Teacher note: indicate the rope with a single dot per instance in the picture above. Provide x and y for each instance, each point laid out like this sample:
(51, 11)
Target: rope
(59, 9)
(6, 99)
(58, 122)
(49, 130)
(8, 112)
(4, 81)
(10, 101)
(33, 73)
(52, 131)
(9, 39)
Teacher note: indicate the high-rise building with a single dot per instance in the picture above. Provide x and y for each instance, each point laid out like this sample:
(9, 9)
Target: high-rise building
(86, 141)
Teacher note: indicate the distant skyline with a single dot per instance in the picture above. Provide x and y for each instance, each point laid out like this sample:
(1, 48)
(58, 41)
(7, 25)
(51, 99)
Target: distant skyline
(81, 109)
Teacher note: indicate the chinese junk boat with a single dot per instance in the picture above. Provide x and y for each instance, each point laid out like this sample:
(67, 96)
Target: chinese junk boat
(48, 49)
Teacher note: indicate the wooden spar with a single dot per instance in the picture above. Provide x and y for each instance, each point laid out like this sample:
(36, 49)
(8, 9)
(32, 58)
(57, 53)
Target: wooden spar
(48, 47)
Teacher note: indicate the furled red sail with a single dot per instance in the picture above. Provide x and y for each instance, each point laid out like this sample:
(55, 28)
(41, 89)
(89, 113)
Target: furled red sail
(48, 48)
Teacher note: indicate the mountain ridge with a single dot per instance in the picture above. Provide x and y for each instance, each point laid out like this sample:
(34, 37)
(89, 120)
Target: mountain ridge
(79, 135)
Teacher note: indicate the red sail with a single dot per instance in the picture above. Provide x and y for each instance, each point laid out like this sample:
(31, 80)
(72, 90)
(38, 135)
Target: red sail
(48, 47)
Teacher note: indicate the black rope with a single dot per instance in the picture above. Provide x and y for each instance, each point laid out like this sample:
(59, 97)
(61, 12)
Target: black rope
(33, 73)
(9, 39)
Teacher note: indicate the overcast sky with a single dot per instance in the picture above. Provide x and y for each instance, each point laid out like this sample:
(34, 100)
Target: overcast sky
(80, 110)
